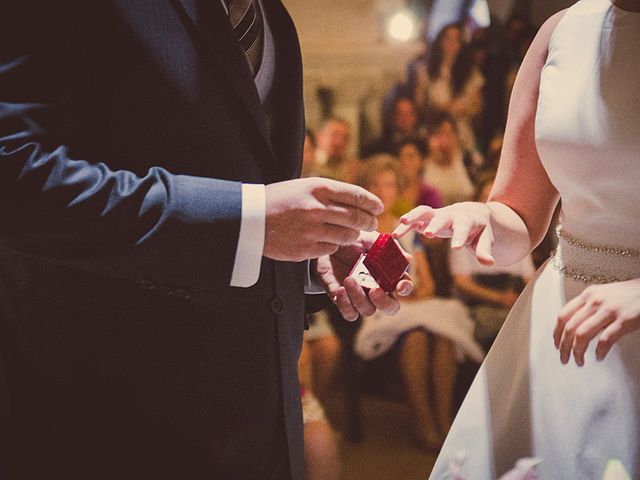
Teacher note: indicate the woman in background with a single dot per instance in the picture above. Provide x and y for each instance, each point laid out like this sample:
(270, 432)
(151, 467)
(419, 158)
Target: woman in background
(448, 169)
(428, 335)
(414, 189)
(451, 83)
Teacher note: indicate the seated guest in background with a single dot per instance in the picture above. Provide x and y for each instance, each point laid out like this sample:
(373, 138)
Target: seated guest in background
(309, 155)
(479, 49)
(414, 190)
(490, 291)
(494, 150)
(321, 460)
(453, 84)
(333, 142)
(445, 167)
(520, 48)
(324, 352)
(321, 342)
(428, 334)
(400, 123)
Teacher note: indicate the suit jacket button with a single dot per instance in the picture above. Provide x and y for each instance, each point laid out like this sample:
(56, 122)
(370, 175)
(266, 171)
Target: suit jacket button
(166, 290)
(148, 284)
(277, 305)
(183, 294)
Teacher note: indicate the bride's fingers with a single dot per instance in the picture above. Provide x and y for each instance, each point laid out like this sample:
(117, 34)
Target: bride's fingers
(569, 331)
(402, 229)
(439, 226)
(565, 315)
(588, 331)
(461, 231)
(611, 335)
(421, 213)
(484, 247)
(416, 219)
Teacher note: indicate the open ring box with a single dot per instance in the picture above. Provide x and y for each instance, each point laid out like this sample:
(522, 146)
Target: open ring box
(383, 265)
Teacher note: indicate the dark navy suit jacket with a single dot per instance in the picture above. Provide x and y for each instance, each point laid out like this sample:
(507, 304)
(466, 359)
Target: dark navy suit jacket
(126, 129)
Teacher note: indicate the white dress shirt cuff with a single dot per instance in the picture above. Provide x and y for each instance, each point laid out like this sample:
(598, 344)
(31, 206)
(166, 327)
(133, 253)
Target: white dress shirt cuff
(246, 269)
(312, 285)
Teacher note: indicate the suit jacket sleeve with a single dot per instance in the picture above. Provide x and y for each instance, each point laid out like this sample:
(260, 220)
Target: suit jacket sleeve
(170, 232)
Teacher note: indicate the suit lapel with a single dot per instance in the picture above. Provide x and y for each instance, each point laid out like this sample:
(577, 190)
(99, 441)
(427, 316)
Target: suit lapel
(289, 139)
(209, 19)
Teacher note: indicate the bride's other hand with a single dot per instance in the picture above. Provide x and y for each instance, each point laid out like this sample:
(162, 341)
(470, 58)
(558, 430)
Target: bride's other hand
(467, 224)
(611, 310)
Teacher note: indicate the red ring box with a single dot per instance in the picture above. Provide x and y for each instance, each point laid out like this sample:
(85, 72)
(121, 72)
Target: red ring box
(384, 261)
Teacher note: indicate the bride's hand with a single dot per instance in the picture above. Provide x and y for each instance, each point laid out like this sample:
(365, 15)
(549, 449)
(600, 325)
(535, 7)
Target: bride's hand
(467, 224)
(613, 309)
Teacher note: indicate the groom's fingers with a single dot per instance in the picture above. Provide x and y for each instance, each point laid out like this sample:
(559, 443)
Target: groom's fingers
(359, 298)
(350, 217)
(351, 196)
(405, 286)
(343, 303)
(336, 235)
(321, 249)
(384, 302)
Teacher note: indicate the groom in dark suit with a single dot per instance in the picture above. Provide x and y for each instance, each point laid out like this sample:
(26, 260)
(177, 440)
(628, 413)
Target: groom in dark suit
(151, 285)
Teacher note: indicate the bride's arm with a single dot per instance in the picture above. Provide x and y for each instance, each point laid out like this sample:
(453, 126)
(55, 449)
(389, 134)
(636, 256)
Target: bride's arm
(523, 199)
(521, 204)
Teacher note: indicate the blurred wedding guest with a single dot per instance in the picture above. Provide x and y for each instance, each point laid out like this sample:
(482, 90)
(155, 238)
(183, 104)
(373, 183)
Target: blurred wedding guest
(427, 336)
(490, 291)
(516, 26)
(321, 342)
(309, 155)
(520, 47)
(479, 53)
(324, 352)
(333, 142)
(400, 122)
(414, 189)
(321, 460)
(494, 150)
(452, 83)
(446, 167)
(502, 62)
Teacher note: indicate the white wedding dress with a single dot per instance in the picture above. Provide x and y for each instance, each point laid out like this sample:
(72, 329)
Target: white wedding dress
(524, 402)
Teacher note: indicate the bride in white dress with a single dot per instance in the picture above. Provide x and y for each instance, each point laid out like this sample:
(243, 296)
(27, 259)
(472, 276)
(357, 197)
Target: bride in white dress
(562, 381)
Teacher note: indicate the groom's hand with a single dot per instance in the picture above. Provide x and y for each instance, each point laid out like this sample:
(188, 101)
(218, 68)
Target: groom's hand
(350, 298)
(311, 217)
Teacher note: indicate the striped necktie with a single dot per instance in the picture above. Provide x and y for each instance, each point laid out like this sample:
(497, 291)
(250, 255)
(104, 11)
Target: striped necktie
(247, 22)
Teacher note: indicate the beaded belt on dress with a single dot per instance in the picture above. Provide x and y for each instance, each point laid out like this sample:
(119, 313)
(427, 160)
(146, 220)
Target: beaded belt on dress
(589, 263)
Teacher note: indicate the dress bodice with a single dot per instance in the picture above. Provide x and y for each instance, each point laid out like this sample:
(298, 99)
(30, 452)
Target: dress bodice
(588, 122)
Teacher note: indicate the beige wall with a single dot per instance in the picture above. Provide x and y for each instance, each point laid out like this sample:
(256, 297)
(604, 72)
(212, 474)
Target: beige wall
(343, 48)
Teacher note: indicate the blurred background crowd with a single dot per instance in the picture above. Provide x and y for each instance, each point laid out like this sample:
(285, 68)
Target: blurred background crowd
(380, 394)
